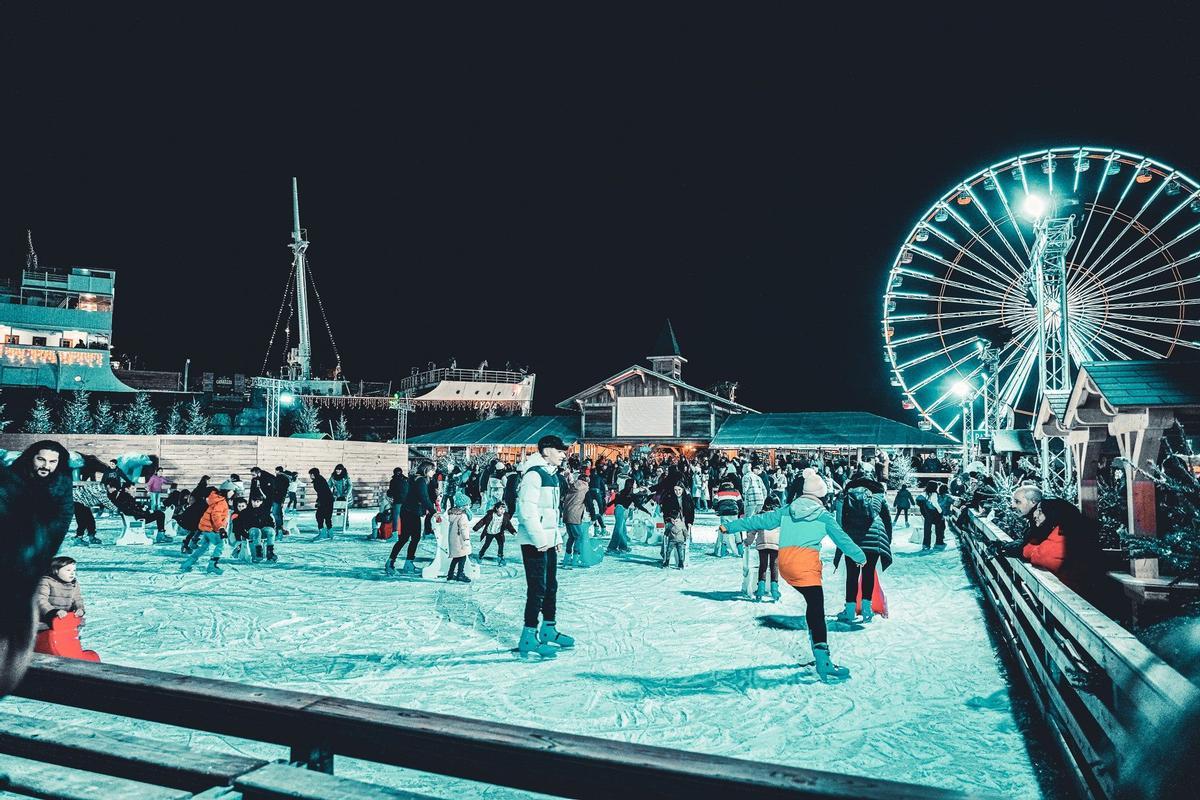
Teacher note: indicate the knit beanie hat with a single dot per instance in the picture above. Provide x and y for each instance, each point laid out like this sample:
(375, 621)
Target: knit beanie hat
(814, 484)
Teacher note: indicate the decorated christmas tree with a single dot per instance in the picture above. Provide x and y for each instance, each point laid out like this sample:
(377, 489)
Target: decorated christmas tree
(39, 418)
(104, 420)
(174, 425)
(76, 415)
(342, 431)
(140, 417)
(197, 421)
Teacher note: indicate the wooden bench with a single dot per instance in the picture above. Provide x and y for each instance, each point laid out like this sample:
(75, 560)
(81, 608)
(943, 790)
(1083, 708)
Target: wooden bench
(284, 782)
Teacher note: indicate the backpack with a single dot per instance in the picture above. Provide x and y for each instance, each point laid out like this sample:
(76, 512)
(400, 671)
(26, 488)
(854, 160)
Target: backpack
(858, 510)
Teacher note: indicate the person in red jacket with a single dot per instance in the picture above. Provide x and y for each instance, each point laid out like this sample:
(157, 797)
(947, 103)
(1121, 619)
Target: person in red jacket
(1063, 542)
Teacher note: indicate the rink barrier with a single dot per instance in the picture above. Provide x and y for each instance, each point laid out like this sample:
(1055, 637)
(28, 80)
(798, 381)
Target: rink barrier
(1098, 688)
(315, 728)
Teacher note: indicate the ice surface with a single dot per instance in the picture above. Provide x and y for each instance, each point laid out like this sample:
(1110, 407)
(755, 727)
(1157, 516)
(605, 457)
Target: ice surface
(665, 657)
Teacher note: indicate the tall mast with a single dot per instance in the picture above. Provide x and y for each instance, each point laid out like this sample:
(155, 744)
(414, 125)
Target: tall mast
(298, 246)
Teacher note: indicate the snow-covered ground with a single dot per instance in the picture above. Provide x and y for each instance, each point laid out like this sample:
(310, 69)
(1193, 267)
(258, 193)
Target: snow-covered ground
(665, 657)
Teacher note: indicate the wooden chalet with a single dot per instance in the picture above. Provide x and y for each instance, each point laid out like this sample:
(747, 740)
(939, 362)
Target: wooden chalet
(651, 405)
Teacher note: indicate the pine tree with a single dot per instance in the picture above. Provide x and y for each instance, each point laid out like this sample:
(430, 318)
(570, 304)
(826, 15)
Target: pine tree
(76, 416)
(342, 431)
(308, 418)
(140, 418)
(175, 420)
(4, 423)
(197, 421)
(39, 418)
(105, 420)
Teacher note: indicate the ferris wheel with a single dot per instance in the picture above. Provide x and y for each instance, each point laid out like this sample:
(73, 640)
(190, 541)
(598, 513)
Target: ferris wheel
(961, 313)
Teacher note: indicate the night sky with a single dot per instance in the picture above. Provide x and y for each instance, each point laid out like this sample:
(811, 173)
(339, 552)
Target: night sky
(544, 185)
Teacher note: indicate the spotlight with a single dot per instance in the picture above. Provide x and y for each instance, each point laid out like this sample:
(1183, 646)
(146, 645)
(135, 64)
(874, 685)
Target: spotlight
(286, 399)
(1034, 206)
(963, 389)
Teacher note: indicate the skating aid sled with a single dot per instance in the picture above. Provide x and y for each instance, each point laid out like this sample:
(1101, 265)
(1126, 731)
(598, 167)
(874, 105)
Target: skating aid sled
(63, 640)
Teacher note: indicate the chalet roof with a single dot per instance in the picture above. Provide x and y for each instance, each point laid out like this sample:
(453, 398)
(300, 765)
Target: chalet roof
(822, 429)
(634, 369)
(1146, 383)
(667, 344)
(513, 431)
(1058, 400)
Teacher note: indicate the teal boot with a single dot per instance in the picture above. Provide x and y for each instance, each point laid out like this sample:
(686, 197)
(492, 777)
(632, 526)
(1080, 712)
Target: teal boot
(760, 591)
(531, 646)
(868, 614)
(549, 634)
(847, 615)
(825, 666)
(775, 595)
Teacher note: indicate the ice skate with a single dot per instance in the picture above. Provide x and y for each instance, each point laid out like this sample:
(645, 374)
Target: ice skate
(258, 554)
(81, 541)
(826, 669)
(94, 539)
(389, 568)
(549, 634)
(530, 645)
(847, 615)
(760, 591)
(462, 578)
(271, 557)
(409, 568)
(500, 562)
(775, 595)
(867, 613)
(162, 537)
(213, 567)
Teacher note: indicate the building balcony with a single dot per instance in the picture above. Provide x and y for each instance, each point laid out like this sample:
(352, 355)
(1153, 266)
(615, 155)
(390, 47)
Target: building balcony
(58, 368)
(19, 315)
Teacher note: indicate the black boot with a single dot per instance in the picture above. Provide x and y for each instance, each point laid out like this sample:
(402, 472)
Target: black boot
(258, 553)
(271, 553)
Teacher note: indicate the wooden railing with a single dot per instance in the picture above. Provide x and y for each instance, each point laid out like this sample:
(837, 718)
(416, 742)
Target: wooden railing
(316, 728)
(1095, 683)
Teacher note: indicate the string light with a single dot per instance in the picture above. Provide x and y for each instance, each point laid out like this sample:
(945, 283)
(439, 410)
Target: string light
(287, 290)
(338, 358)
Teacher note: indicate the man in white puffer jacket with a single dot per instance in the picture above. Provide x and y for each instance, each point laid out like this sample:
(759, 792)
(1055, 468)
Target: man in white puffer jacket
(537, 516)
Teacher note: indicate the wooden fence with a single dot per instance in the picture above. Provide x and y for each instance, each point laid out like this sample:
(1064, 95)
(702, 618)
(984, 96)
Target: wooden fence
(186, 458)
(316, 728)
(1094, 682)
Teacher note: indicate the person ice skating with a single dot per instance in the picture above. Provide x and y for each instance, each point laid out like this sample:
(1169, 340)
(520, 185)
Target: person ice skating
(622, 506)
(493, 525)
(241, 533)
(256, 522)
(214, 530)
(931, 516)
(58, 593)
(754, 495)
(123, 500)
(864, 516)
(86, 496)
(596, 497)
(537, 515)
(495, 484)
(576, 490)
(728, 504)
(324, 511)
(343, 491)
(679, 514)
(416, 504)
(802, 525)
(765, 544)
(459, 542)
(156, 486)
(904, 501)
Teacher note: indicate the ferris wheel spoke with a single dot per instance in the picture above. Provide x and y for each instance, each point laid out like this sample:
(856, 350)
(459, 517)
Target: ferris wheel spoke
(1018, 378)
(1157, 270)
(1177, 284)
(966, 301)
(1192, 301)
(1008, 210)
(1133, 222)
(941, 373)
(991, 311)
(925, 276)
(1155, 320)
(958, 267)
(1108, 328)
(1109, 217)
(941, 333)
(1097, 273)
(966, 226)
(1077, 245)
(995, 226)
(1002, 279)
(936, 404)
(932, 354)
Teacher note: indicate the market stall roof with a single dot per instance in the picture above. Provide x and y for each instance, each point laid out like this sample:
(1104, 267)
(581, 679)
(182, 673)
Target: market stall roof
(822, 429)
(1146, 383)
(513, 431)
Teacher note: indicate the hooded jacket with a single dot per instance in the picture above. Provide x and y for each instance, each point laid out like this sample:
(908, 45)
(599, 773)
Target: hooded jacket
(575, 501)
(538, 504)
(215, 518)
(878, 537)
(804, 522)
(459, 539)
(754, 492)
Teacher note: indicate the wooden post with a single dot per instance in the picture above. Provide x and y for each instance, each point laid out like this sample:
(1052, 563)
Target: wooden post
(1139, 435)
(317, 757)
(1085, 451)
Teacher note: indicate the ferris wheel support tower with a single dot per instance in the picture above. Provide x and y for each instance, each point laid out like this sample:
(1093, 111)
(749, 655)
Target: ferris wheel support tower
(299, 247)
(1053, 237)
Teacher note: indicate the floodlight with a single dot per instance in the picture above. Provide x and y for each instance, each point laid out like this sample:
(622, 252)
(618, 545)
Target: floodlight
(1034, 206)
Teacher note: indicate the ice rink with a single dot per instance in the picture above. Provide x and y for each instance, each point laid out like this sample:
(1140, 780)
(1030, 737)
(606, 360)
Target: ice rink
(664, 657)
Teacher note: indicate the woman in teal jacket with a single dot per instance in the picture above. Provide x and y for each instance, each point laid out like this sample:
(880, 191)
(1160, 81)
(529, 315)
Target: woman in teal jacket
(802, 525)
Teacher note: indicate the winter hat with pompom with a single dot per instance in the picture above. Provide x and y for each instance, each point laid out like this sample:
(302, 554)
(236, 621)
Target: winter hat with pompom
(814, 484)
